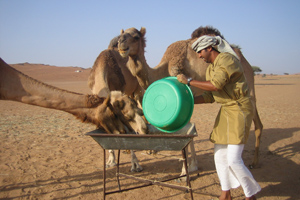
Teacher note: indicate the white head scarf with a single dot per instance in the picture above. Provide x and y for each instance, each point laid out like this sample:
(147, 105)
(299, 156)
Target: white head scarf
(216, 42)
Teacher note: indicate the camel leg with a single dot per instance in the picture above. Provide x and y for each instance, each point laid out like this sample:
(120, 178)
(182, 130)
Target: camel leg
(193, 166)
(111, 159)
(193, 161)
(258, 126)
(183, 172)
(135, 166)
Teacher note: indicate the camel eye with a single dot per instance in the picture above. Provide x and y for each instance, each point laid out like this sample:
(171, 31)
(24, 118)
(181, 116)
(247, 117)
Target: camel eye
(136, 37)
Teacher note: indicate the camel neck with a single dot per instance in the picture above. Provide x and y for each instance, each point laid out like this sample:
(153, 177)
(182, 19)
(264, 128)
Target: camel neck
(30, 91)
(139, 68)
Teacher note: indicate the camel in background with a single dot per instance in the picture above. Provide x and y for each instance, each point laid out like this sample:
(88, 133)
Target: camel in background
(179, 58)
(115, 114)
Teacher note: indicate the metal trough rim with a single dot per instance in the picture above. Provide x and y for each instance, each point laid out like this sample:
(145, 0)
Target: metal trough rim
(155, 140)
(139, 136)
(188, 131)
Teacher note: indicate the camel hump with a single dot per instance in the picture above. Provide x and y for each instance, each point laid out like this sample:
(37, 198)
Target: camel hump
(176, 55)
(107, 66)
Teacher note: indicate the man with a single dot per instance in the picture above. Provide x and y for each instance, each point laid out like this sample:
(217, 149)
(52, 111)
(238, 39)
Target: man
(226, 84)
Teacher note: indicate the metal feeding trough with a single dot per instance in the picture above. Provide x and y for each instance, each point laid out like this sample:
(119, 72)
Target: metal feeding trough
(155, 140)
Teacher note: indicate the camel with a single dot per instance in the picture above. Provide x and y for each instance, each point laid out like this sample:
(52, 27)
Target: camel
(115, 114)
(179, 58)
(110, 73)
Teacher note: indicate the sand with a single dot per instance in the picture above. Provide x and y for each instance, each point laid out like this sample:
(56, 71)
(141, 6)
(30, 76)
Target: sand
(45, 154)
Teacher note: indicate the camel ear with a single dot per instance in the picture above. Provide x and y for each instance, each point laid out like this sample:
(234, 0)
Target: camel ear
(122, 31)
(143, 31)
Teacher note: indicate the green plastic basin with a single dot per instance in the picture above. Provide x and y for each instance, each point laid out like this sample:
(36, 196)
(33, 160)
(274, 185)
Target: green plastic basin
(168, 104)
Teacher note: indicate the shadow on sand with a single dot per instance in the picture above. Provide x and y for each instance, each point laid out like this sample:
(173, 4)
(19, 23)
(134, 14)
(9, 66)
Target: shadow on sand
(279, 175)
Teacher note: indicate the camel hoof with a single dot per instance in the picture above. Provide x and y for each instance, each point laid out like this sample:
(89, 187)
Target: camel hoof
(136, 169)
(180, 180)
(139, 169)
(193, 168)
(110, 165)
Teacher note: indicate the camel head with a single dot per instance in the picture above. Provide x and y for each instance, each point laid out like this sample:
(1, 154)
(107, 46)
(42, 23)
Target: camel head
(130, 110)
(131, 42)
(118, 110)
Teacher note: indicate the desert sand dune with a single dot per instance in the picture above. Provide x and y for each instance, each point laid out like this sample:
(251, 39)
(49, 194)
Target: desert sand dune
(44, 153)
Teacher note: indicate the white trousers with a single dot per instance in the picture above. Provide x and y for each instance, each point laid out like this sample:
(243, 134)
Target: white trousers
(232, 171)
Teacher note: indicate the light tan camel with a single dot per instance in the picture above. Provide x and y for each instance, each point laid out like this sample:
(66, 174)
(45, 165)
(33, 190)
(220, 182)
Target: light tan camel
(110, 73)
(102, 112)
(179, 58)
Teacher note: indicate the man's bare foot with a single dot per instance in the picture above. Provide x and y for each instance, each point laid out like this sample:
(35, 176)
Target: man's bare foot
(251, 198)
(225, 195)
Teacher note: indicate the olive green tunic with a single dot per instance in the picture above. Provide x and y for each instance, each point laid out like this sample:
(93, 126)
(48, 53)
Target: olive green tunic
(234, 119)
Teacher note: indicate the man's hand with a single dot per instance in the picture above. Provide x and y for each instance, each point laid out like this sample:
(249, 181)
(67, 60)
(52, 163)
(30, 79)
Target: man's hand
(182, 78)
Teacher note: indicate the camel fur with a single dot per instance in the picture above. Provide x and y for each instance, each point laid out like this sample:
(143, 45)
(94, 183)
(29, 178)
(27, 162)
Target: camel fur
(110, 73)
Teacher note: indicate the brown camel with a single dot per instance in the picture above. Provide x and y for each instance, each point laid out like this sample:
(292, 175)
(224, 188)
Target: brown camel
(100, 111)
(110, 73)
(17, 86)
(179, 58)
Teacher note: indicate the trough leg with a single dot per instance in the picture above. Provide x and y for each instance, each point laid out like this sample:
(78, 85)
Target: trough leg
(104, 174)
(118, 170)
(188, 183)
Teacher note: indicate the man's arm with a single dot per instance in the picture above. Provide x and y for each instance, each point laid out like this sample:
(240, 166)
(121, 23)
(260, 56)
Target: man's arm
(204, 85)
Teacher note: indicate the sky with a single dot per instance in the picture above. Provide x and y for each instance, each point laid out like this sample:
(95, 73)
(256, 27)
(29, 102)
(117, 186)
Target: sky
(74, 32)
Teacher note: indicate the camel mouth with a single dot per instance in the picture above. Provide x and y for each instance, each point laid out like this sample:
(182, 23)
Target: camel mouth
(124, 52)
